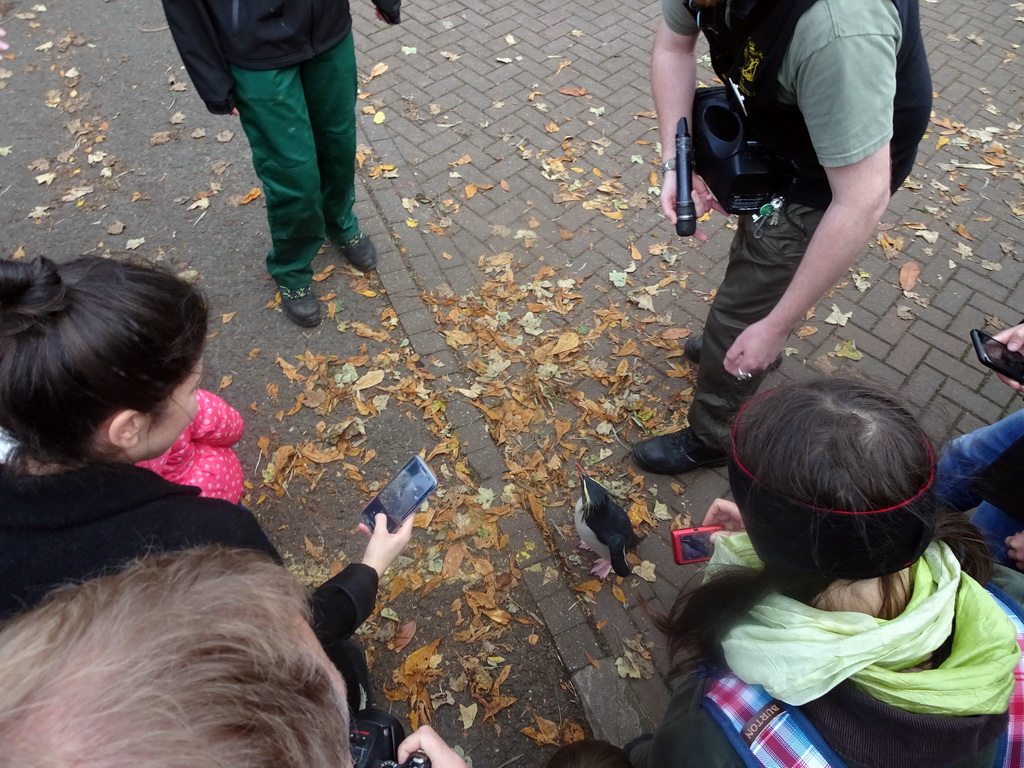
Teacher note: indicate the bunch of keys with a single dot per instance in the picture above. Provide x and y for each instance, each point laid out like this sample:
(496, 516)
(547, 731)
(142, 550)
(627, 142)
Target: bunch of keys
(767, 214)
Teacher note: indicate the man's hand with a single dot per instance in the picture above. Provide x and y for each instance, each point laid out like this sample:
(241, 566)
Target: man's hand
(1013, 338)
(755, 348)
(426, 739)
(703, 200)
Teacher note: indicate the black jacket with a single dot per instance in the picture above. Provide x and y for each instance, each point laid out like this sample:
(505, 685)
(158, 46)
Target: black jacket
(255, 34)
(73, 526)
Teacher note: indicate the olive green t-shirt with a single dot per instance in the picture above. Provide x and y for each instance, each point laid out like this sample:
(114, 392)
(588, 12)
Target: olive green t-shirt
(839, 71)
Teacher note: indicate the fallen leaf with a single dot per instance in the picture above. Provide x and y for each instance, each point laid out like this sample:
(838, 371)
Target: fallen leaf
(177, 118)
(838, 317)
(131, 245)
(252, 195)
(225, 136)
(468, 714)
(225, 382)
(546, 731)
(848, 349)
(909, 273)
(403, 636)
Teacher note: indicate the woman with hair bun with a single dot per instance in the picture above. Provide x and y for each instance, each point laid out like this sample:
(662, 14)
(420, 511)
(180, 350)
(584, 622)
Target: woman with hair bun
(100, 362)
(842, 620)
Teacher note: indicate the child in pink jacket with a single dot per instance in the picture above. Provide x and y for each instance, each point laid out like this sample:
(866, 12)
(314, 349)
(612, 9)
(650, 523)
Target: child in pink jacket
(202, 456)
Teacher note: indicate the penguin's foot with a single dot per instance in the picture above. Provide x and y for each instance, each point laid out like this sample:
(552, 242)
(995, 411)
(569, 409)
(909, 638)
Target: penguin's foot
(602, 568)
(584, 545)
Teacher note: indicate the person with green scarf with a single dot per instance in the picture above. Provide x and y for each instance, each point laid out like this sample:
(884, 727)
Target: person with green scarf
(842, 588)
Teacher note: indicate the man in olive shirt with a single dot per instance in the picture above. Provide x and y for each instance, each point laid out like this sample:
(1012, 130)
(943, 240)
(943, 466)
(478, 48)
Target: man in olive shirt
(844, 94)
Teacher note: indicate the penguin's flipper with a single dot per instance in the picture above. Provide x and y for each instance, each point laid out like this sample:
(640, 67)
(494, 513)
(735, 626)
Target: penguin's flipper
(617, 554)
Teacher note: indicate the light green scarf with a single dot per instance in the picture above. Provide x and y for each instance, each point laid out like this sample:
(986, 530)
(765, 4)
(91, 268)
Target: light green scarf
(799, 653)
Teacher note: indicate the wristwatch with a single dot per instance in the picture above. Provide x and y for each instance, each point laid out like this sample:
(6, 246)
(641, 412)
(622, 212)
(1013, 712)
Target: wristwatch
(670, 165)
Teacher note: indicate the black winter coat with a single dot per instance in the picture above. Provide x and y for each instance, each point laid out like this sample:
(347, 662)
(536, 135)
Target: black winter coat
(72, 526)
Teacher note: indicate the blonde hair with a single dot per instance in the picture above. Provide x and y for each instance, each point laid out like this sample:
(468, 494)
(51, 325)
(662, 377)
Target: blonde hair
(192, 659)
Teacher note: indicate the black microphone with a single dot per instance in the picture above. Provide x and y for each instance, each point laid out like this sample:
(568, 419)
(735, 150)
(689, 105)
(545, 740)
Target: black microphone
(686, 214)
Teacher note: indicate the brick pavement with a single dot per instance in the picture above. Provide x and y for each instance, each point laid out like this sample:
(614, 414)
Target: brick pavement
(497, 102)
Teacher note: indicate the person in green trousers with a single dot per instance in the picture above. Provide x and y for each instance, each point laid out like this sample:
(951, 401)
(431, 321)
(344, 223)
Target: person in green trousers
(287, 68)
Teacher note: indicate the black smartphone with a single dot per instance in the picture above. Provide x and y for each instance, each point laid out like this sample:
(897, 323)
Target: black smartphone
(403, 493)
(997, 356)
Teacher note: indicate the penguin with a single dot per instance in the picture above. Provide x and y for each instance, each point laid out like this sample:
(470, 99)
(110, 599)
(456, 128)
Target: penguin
(604, 527)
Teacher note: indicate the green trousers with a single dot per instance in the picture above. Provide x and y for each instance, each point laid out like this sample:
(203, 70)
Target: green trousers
(759, 272)
(301, 125)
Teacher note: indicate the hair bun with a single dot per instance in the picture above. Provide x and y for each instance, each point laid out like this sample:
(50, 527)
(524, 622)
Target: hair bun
(30, 292)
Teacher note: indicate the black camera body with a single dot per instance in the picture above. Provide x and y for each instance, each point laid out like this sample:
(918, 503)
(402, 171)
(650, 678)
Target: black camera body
(741, 173)
(374, 736)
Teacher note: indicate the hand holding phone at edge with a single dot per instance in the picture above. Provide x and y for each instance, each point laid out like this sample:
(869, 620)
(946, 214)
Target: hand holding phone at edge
(426, 738)
(383, 547)
(1013, 338)
(726, 514)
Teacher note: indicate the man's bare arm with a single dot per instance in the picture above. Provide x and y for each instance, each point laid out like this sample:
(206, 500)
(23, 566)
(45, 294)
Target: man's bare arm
(673, 82)
(860, 193)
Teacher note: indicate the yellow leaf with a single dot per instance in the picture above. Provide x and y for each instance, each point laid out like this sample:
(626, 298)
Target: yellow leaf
(617, 215)
(468, 715)
(253, 194)
(618, 593)
(412, 223)
(371, 379)
(462, 160)
(367, 293)
(225, 382)
(378, 118)
(457, 338)
(227, 318)
(551, 128)
(377, 70)
(470, 190)
(943, 141)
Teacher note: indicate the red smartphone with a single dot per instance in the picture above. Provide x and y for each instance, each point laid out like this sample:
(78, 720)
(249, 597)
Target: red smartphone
(693, 545)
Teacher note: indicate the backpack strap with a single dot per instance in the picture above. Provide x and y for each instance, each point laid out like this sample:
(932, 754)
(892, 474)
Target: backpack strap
(765, 732)
(1011, 751)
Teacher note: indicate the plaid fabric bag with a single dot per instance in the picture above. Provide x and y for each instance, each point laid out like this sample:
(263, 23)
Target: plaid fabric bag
(769, 734)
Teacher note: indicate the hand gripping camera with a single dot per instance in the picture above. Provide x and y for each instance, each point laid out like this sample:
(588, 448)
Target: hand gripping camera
(374, 737)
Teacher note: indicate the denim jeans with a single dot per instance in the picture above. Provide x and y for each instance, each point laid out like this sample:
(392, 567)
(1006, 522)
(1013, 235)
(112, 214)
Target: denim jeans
(961, 462)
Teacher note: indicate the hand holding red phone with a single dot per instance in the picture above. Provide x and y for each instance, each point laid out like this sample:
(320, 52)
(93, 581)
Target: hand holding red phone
(384, 546)
(726, 514)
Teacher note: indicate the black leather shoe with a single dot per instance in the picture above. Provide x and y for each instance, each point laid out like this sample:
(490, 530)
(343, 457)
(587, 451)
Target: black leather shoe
(675, 453)
(301, 307)
(360, 252)
(693, 346)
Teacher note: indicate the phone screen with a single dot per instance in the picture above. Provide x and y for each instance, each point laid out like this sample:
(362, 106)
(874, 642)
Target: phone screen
(402, 495)
(997, 356)
(692, 545)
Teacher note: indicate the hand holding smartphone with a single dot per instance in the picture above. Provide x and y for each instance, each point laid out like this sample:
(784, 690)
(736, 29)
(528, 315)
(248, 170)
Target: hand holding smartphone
(693, 545)
(997, 356)
(402, 495)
